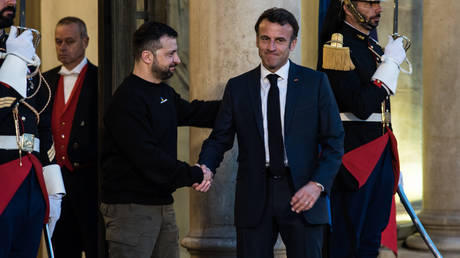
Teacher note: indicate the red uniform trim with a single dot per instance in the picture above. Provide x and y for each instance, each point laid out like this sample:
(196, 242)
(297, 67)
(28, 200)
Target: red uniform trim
(5, 84)
(360, 162)
(389, 235)
(13, 174)
(378, 83)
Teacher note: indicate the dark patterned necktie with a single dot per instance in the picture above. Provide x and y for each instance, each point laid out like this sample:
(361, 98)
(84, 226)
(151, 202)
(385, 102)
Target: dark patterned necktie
(275, 137)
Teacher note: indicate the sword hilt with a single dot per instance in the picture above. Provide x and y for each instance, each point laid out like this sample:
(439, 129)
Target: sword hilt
(407, 43)
(36, 35)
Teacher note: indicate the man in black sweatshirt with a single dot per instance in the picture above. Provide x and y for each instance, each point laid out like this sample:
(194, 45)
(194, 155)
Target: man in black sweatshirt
(139, 161)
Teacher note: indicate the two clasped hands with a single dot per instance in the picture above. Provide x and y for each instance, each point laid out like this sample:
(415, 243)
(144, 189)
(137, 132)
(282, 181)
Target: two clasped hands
(303, 199)
(207, 179)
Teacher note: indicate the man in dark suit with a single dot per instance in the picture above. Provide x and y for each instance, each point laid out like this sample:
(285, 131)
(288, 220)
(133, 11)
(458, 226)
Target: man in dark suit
(290, 141)
(74, 126)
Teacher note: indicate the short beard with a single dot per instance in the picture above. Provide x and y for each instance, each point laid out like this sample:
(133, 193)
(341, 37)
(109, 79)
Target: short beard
(7, 21)
(370, 26)
(160, 73)
(164, 75)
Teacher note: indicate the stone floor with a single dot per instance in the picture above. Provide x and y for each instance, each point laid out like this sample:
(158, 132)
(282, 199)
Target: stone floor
(406, 253)
(405, 229)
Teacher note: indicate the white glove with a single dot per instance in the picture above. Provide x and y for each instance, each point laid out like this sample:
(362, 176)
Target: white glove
(388, 70)
(56, 190)
(20, 45)
(55, 211)
(401, 181)
(394, 50)
(53, 179)
(20, 50)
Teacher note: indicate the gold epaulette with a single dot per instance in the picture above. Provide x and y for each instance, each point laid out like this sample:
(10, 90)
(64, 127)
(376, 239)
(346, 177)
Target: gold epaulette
(336, 56)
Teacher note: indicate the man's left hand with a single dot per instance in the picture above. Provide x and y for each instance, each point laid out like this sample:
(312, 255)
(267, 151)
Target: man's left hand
(305, 198)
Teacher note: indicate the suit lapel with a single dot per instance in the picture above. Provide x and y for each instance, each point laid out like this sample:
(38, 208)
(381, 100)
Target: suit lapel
(55, 80)
(84, 100)
(254, 93)
(292, 95)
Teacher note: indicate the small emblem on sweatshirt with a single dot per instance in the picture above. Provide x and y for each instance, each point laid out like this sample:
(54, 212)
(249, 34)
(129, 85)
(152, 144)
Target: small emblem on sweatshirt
(163, 100)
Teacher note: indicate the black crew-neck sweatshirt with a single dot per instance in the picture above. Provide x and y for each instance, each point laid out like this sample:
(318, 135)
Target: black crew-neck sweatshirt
(139, 159)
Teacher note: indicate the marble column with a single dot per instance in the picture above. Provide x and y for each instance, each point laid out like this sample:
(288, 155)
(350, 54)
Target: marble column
(441, 129)
(222, 45)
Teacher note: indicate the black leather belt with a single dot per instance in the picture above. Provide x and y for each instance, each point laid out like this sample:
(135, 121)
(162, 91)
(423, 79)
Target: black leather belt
(277, 176)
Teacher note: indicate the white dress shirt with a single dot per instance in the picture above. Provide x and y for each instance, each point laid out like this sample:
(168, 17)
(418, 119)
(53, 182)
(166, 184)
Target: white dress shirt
(70, 77)
(283, 73)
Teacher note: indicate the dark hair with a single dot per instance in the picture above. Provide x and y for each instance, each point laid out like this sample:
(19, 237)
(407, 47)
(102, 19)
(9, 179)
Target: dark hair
(81, 24)
(280, 16)
(147, 37)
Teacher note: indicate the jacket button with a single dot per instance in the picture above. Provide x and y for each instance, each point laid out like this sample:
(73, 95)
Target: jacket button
(76, 145)
(82, 123)
(76, 164)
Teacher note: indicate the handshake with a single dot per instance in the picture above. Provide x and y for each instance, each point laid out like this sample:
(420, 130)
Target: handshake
(207, 179)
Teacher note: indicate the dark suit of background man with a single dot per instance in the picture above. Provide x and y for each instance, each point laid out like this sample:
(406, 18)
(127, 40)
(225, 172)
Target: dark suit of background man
(74, 126)
(290, 141)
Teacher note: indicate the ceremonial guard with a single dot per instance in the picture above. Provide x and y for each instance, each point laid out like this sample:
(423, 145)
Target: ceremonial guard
(363, 76)
(31, 185)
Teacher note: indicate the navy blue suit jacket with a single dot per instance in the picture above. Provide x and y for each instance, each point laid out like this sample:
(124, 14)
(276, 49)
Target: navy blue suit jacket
(311, 120)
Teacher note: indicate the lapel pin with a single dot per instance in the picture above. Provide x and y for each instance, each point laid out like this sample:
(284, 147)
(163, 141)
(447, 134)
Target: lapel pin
(296, 79)
(163, 100)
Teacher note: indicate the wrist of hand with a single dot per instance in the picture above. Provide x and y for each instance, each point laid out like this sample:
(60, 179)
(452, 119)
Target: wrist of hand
(55, 196)
(391, 59)
(196, 174)
(320, 186)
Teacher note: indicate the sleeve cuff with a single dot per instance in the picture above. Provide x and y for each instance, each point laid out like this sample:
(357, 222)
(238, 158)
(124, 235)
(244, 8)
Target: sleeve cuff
(320, 186)
(53, 180)
(388, 73)
(196, 174)
(13, 72)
